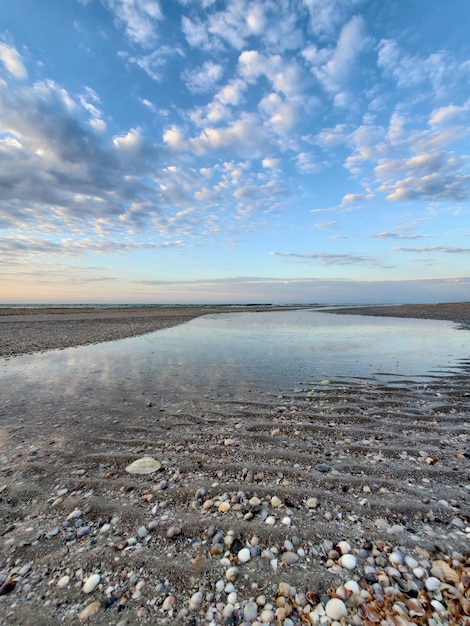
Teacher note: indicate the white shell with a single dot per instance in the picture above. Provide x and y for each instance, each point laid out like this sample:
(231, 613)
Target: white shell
(91, 583)
(244, 556)
(352, 586)
(343, 547)
(336, 609)
(432, 583)
(144, 465)
(348, 561)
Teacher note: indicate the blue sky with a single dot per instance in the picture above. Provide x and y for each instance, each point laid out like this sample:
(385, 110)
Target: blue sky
(242, 151)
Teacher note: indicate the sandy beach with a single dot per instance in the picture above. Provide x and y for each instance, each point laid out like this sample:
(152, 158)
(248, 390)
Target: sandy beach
(333, 503)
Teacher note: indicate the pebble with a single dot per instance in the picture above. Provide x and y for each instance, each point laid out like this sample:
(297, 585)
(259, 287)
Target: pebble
(289, 558)
(195, 602)
(64, 581)
(250, 612)
(276, 502)
(91, 583)
(311, 503)
(89, 611)
(244, 555)
(232, 573)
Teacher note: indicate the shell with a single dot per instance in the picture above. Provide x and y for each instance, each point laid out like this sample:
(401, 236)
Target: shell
(443, 571)
(336, 609)
(144, 465)
(91, 583)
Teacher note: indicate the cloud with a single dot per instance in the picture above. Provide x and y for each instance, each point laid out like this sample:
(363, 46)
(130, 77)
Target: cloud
(327, 15)
(152, 64)
(58, 173)
(16, 248)
(330, 259)
(333, 67)
(435, 186)
(449, 113)
(353, 198)
(138, 17)
(412, 70)
(204, 78)
(326, 225)
(130, 142)
(243, 136)
(11, 59)
(433, 249)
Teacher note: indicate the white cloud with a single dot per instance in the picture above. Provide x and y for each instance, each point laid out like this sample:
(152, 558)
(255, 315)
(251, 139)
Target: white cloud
(139, 18)
(449, 113)
(305, 163)
(130, 142)
(412, 70)
(270, 163)
(333, 67)
(204, 78)
(326, 15)
(153, 63)
(11, 59)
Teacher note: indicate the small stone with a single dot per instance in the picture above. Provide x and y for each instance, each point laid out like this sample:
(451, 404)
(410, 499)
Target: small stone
(270, 520)
(224, 507)
(74, 515)
(91, 583)
(336, 609)
(168, 602)
(311, 503)
(195, 602)
(142, 532)
(89, 611)
(232, 573)
(267, 616)
(276, 502)
(63, 582)
(289, 558)
(244, 555)
(323, 467)
(250, 612)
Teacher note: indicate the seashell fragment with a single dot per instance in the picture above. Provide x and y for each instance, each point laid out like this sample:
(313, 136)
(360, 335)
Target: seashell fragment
(443, 571)
(144, 465)
(91, 583)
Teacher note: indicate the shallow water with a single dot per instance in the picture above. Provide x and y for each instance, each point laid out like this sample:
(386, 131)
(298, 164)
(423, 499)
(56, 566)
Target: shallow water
(231, 355)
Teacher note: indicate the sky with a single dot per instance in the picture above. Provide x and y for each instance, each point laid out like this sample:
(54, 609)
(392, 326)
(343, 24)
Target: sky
(241, 151)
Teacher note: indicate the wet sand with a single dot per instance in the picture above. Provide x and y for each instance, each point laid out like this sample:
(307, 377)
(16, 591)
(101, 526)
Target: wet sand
(283, 479)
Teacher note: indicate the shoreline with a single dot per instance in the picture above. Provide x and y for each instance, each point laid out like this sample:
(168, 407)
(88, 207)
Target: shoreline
(29, 330)
(265, 508)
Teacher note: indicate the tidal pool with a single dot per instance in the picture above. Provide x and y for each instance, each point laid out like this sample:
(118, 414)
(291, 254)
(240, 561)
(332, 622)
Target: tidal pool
(234, 354)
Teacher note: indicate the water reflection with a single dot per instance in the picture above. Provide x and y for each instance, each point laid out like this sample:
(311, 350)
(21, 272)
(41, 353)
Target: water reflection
(234, 353)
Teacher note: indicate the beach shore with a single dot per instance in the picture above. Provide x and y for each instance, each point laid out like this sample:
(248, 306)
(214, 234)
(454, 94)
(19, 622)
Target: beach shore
(336, 502)
(29, 330)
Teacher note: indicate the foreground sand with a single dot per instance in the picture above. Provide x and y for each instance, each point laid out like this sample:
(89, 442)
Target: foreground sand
(284, 480)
